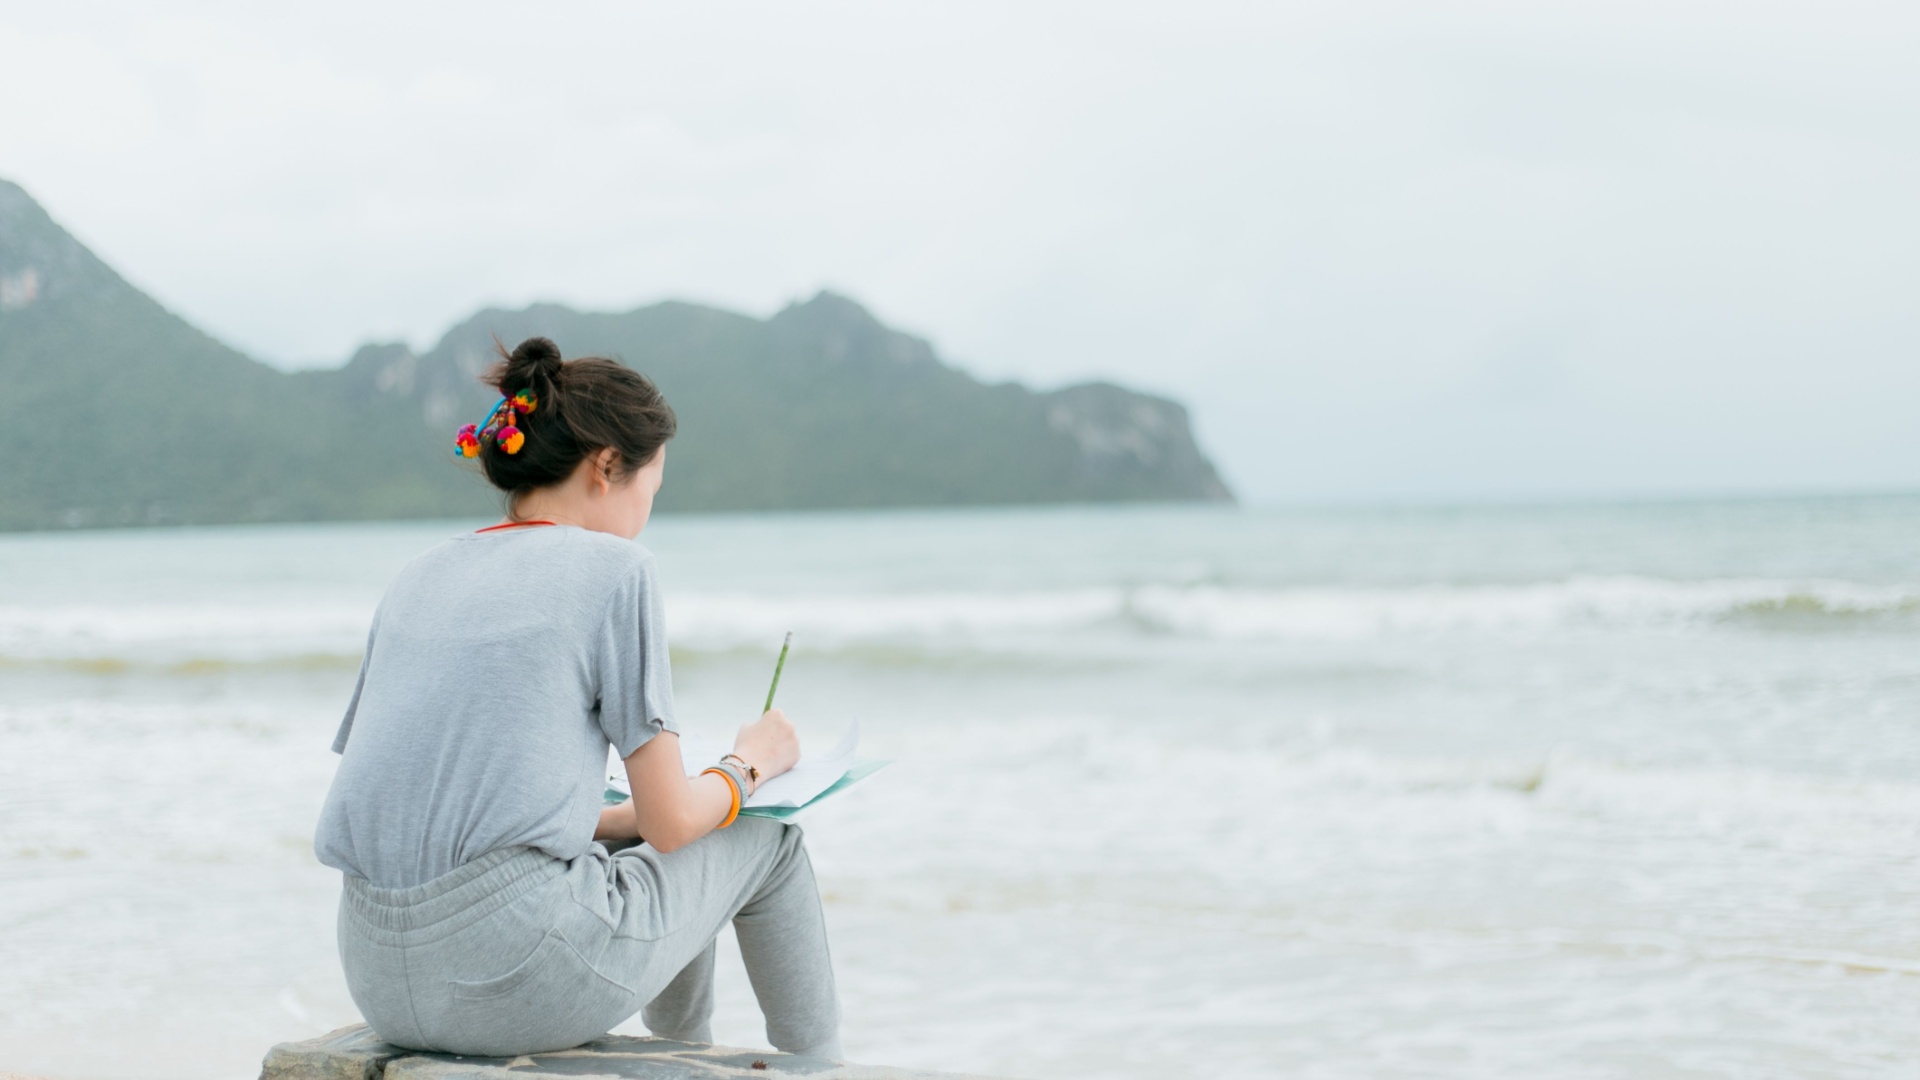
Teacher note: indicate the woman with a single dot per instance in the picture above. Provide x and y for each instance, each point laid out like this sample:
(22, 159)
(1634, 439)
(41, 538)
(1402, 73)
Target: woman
(479, 912)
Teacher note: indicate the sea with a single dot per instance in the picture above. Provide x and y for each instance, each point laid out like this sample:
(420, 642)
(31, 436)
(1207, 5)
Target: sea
(1582, 790)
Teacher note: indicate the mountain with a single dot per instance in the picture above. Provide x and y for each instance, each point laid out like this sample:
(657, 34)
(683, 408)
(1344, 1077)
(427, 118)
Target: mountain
(119, 412)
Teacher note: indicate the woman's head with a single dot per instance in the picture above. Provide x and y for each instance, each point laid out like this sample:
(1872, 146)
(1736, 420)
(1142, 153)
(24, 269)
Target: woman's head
(593, 422)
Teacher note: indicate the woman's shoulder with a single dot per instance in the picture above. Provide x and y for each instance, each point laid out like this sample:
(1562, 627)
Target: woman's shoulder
(565, 556)
(598, 551)
(571, 576)
(560, 557)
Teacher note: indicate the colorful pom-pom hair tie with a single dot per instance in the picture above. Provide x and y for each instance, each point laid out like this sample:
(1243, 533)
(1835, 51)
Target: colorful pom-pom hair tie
(500, 424)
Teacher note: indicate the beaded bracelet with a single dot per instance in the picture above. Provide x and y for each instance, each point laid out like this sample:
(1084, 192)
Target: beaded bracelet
(734, 785)
(753, 773)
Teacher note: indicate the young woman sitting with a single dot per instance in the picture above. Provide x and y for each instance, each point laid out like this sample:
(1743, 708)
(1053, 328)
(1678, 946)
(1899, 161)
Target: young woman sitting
(479, 912)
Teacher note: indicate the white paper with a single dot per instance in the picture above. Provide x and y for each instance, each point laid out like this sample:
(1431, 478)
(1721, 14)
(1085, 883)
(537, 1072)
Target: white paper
(811, 775)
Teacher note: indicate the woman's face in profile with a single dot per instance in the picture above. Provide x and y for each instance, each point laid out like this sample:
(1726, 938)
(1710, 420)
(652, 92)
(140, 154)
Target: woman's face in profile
(630, 502)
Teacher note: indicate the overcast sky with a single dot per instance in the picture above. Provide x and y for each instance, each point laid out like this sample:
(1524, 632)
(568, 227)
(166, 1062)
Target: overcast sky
(1383, 251)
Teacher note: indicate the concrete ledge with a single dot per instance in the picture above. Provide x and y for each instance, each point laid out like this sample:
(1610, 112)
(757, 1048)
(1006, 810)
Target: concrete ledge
(355, 1053)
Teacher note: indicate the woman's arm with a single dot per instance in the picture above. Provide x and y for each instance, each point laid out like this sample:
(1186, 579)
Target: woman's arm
(672, 809)
(617, 823)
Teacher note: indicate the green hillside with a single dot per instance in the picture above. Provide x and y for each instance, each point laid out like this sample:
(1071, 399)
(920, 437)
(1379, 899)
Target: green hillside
(121, 413)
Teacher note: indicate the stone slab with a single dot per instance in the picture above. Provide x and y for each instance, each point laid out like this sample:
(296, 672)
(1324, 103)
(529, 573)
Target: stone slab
(355, 1053)
(348, 1053)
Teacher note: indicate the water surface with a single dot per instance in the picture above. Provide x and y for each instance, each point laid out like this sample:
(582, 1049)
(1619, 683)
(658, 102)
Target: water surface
(1501, 792)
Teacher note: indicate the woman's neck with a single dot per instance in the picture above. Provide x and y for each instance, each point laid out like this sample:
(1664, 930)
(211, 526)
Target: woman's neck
(536, 507)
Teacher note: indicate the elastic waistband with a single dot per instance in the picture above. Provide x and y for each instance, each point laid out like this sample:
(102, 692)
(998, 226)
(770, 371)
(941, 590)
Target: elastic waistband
(454, 899)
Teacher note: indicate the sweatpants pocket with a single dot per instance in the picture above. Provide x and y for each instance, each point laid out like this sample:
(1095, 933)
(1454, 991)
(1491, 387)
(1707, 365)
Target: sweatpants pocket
(553, 999)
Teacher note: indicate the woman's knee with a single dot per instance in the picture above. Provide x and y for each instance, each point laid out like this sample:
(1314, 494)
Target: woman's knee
(788, 844)
(781, 838)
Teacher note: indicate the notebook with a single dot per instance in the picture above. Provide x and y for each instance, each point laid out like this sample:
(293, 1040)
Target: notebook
(814, 777)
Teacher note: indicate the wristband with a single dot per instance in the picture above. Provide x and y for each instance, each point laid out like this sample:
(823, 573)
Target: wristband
(738, 775)
(735, 786)
(753, 774)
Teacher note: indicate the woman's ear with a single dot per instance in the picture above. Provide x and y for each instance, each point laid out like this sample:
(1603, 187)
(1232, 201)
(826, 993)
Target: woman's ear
(603, 462)
(593, 468)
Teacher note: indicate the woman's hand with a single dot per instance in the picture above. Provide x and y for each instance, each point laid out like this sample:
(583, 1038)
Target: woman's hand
(673, 810)
(769, 744)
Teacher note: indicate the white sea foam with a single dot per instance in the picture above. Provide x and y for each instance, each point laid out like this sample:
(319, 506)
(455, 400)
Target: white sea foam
(1733, 802)
(1626, 602)
(175, 632)
(1317, 612)
(248, 631)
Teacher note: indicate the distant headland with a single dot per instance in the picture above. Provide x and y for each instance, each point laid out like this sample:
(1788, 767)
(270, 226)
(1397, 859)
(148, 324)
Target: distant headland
(119, 412)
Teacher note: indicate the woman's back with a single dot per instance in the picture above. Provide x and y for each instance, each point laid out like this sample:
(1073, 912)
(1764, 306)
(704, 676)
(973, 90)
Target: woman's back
(479, 913)
(500, 666)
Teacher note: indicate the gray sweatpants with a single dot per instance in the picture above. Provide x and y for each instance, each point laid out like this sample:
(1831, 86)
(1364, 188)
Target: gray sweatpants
(519, 952)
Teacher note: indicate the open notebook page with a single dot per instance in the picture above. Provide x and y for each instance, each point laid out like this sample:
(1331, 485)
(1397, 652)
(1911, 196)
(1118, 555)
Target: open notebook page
(815, 772)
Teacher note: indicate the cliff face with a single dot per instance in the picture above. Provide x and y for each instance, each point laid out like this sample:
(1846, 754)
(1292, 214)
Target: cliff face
(118, 412)
(125, 414)
(1124, 437)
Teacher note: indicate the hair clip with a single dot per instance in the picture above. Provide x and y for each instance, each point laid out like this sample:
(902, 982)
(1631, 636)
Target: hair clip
(497, 425)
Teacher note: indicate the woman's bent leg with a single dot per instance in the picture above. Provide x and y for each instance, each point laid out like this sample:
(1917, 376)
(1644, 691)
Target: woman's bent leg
(783, 940)
(756, 873)
(684, 1010)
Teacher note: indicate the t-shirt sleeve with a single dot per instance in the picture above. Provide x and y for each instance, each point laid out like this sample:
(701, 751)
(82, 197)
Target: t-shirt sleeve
(353, 703)
(636, 678)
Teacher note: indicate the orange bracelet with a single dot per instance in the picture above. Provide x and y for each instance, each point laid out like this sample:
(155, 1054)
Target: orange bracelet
(733, 788)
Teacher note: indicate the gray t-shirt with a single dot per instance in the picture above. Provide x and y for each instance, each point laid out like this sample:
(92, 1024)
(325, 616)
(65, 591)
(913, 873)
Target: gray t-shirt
(499, 668)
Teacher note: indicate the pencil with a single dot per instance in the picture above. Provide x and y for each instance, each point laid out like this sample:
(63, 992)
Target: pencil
(776, 672)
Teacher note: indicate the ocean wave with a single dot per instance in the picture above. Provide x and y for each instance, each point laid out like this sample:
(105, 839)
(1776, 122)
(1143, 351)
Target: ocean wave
(1621, 602)
(190, 665)
(187, 666)
(1301, 613)
(906, 628)
(1454, 798)
(106, 637)
(1728, 793)
(1737, 804)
